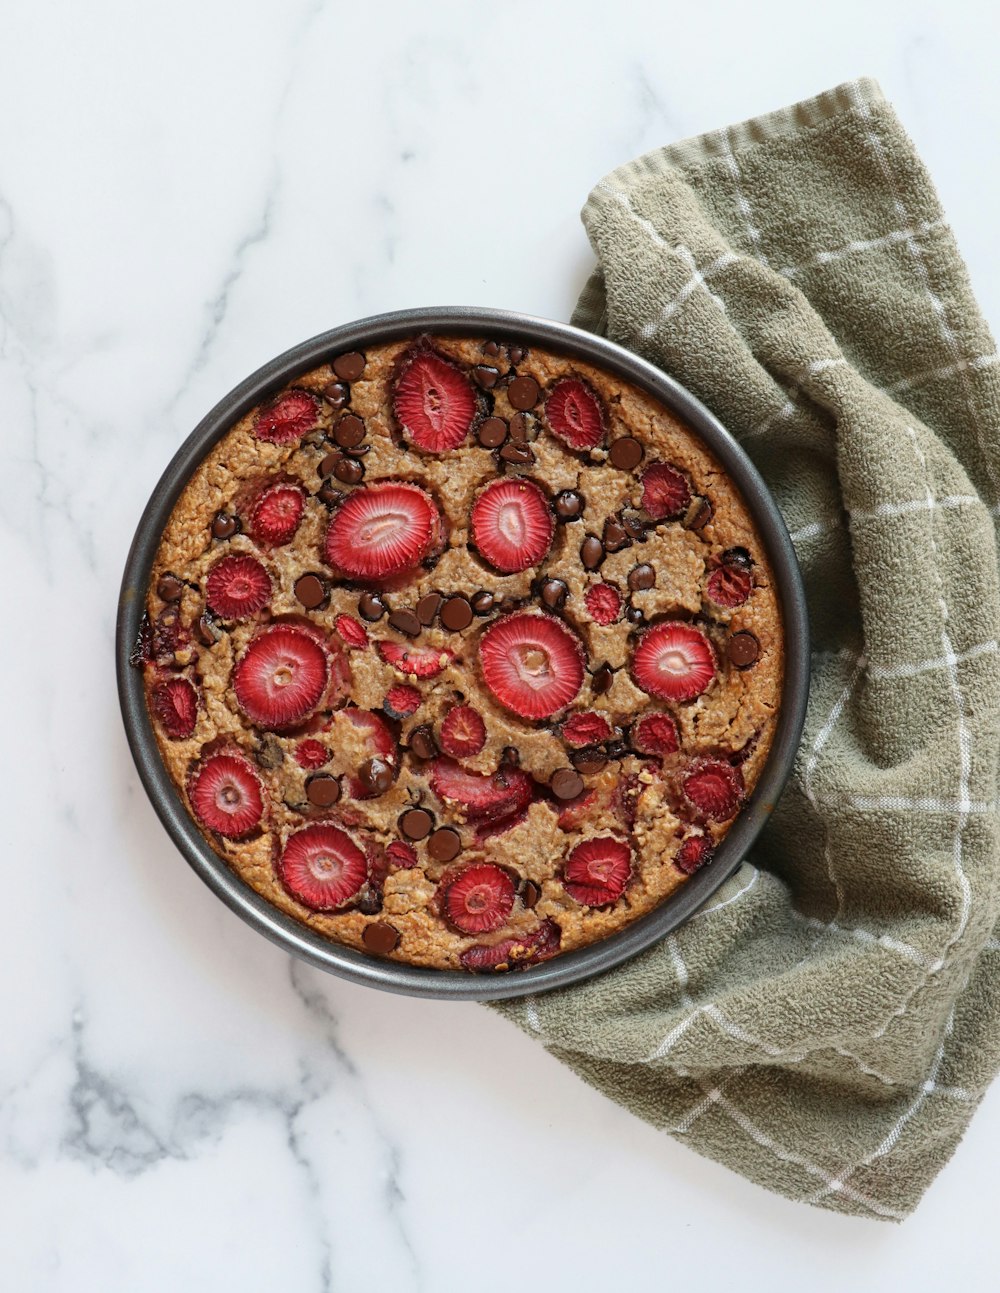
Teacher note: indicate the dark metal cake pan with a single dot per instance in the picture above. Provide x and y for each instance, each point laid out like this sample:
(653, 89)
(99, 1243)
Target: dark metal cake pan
(289, 933)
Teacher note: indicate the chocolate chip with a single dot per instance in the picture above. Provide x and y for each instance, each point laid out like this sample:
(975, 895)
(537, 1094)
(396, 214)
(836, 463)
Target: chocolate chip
(700, 514)
(328, 464)
(311, 591)
(422, 742)
(569, 505)
(492, 433)
(456, 614)
(205, 630)
(349, 367)
(602, 679)
(224, 526)
(530, 893)
(615, 537)
(349, 431)
(523, 428)
(444, 844)
(633, 523)
(336, 394)
(169, 588)
(358, 450)
(371, 607)
(416, 823)
(375, 775)
(269, 753)
(485, 376)
(743, 650)
(589, 762)
(566, 784)
(519, 455)
(511, 756)
(626, 453)
(405, 622)
(516, 353)
(329, 494)
(428, 607)
(634, 615)
(370, 903)
(523, 392)
(348, 471)
(641, 578)
(482, 602)
(491, 349)
(380, 937)
(322, 790)
(738, 558)
(591, 552)
(553, 593)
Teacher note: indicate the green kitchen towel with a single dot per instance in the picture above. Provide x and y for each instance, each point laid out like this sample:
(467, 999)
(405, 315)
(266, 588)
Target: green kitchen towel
(827, 1024)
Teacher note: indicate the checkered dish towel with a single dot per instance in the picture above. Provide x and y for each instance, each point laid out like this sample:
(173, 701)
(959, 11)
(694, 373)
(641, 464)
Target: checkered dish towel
(828, 1023)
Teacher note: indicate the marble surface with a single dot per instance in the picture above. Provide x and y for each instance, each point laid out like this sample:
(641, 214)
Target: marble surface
(185, 190)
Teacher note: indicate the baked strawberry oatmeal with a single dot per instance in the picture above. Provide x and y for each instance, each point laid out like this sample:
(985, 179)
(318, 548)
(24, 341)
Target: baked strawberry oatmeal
(461, 653)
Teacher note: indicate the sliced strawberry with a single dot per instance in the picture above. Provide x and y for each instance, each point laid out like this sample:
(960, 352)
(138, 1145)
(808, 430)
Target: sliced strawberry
(226, 795)
(276, 514)
(322, 867)
(695, 851)
(532, 664)
(526, 949)
(512, 524)
(483, 797)
(351, 630)
(434, 403)
(402, 855)
(417, 661)
(311, 755)
(604, 603)
(237, 587)
(655, 734)
(479, 898)
(586, 729)
(625, 799)
(729, 586)
(491, 829)
(402, 701)
(575, 414)
(574, 812)
(175, 704)
(382, 530)
(463, 732)
(665, 492)
(379, 744)
(597, 871)
(714, 789)
(288, 418)
(281, 676)
(673, 662)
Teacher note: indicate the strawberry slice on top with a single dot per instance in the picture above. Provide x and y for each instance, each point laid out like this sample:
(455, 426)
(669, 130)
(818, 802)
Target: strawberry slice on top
(597, 871)
(532, 664)
(226, 795)
(479, 898)
(237, 587)
(575, 414)
(322, 867)
(434, 403)
(277, 513)
(673, 661)
(512, 525)
(281, 676)
(288, 418)
(382, 530)
(665, 492)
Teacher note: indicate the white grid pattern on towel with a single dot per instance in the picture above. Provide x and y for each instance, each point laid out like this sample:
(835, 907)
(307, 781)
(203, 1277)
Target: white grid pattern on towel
(742, 201)
(857, 245)
(978, 364)
(884, 511)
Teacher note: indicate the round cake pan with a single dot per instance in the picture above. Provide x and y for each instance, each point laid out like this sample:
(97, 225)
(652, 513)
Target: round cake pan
(289, 933)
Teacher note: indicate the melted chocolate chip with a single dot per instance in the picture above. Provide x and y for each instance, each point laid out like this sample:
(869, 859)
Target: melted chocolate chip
(634, 615)
(590, 761)
(349, 472)
(569, 505)
(523, 428)
(416, 823)
(444, 844)
(511, 756)
(641, 578)
(492, 433)
(328, 464)
(633, 523)
(700, 514)
(322, 790)
(602, 679)
(530, 894)
(518, 455)
(370, 903)
(743, 650)
(329, 494)
(491, 349)
(310, 591)
(422, 743)
(380, 937)
(336, 394)
(553, 593)
(224, 526)
(737, 558)
(371, 607)
(456, 614)
(485, 376)
(375, 775)
(169, 588)
(349, 367)
(591, 552)
(205, 630)
(428, 607)
(349, 431)
(269, 753)
(626, 453)
(482, 602)
(516, 353)
(566, 784)
(523, 392)
(358, 450)
(615, 537)
(405, 622)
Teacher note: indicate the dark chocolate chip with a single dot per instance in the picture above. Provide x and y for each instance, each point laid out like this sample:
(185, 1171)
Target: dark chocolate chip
(322, 790)
(511, 756)
(375, 775)
(482, 602)
(422, 743)
(456, 613)
(633, 523)
(405, 622)
(380, 937)
(329, 493)
(358, 451)
(507, 604)
(634, 615)
(269, 753)
(224, 526)
(516, 353)
(492, 433)
(169, 588)
(336, 394)
(444, 844)
(591, 552)
(530, 893)
(626, 453)
(523, 392)
(349, 367)
(428, 607)
(349, 431)
(738, 558)
(416, 823)
(569, 505)
(329, 463)
(700, 514)
(523, 428)
(615, 537)
(566, 784)
(371, 607)
(616, 749)
(743, 650)
(485, 376)
(205, 630)
(311, 591)
(553, 593)
(491, 349)
(641, 578)
(589, 762)
(602, 679)
(349, 472)
(518, 455)
(370, 903)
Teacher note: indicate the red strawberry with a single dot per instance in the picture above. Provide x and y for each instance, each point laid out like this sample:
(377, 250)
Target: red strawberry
(382, 530)
(604, 603)
(586, 729)
(175, 704)
(402, 855)
(237, 587)
(479, 898)
(434, 403)
(512, 525)
(574, 812)
(597, 871)
(226, 795)
(288, 418)
(379, 743)
(463, 732)
(281, 676)
(665, 492)
(714, 789)
(417, 661)
(483, 797)
(695, 851)
(575, 414)
(491, 829)
(402, 701)
(655, 734)
(322, 867)
(276, 513)
(729, 586)
(674, 662)
(311, 755)
(509, 953)
(351, 630)
(532, 664)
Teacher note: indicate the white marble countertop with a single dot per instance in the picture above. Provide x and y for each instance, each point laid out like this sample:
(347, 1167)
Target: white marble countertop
(186, 190)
